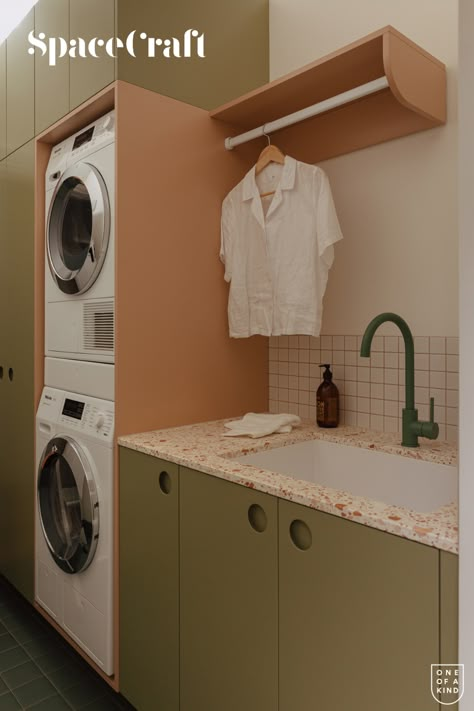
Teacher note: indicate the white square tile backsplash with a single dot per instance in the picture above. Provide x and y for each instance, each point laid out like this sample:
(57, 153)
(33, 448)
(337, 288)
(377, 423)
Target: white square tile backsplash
(372, 390)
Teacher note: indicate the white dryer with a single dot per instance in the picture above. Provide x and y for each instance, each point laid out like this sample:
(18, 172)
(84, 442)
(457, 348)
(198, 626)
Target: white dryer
(74, 519)
(80, 231)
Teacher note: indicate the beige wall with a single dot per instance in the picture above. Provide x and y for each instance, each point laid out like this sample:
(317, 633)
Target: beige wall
(397, 202)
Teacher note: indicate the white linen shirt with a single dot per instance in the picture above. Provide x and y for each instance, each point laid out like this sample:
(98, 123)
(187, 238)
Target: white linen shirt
(277, 264)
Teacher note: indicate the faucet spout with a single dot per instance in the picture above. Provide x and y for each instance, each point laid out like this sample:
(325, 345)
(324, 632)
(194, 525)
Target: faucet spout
(412, 427)
(409, 351)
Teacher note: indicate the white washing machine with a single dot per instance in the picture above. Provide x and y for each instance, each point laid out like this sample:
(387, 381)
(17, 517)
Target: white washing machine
(80, 245)
(74, 519)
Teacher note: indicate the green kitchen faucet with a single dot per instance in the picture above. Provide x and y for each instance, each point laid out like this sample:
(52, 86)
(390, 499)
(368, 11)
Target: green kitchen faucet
(412, 427)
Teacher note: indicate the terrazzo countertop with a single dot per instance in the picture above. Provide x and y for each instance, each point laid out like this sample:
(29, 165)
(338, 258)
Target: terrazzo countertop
(203, 447)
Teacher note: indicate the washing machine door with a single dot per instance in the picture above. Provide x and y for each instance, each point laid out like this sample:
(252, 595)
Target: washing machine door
(68, 504)
(78, 227)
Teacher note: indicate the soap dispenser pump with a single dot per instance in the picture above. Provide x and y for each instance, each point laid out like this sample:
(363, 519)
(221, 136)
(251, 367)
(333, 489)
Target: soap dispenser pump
(327, 400)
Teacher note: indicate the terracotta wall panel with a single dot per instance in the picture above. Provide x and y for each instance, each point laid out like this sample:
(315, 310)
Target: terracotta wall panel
(175, 362)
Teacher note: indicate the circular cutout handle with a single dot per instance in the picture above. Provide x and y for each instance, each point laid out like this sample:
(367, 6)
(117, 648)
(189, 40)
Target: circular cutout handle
(301, 535)
(1, 372)
(257, 518)
(10, 374)
(165, 483)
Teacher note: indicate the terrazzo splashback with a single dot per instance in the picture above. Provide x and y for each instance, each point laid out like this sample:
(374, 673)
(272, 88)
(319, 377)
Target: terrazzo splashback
(372, 390)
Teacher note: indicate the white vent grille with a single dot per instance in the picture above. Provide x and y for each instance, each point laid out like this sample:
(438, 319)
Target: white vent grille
(99, 326)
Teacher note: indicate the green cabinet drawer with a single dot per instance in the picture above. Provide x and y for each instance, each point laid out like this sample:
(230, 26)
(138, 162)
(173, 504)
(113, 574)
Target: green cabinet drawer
(228, 597)
(359, 616)
(51, 82)
(88, 75)
(20, 85)
(149, 582)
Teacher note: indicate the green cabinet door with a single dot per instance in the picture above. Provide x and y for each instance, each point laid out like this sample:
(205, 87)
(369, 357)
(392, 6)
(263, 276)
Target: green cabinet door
(149, 582)
(20, 85)
(228, 597)
(359, 616)
(51, 82)
(3, 100)
(89, 19)
(449, 615)
(17, 459)
(449, 607)
(4, 358)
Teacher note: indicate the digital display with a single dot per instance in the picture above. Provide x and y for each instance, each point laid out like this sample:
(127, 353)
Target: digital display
(83, 137)
(73, 408)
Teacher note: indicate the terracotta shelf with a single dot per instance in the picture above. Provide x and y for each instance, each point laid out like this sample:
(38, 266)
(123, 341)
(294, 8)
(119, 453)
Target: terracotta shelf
(415, 100)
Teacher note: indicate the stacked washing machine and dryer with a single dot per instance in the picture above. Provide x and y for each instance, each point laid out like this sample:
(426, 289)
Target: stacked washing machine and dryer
(75, 419)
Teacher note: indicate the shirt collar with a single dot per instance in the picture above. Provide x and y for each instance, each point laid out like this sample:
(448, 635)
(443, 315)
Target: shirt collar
(287, 179)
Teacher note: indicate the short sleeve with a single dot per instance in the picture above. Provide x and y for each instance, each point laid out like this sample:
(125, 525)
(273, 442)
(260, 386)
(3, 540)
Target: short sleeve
(226, 240)
(327, 224)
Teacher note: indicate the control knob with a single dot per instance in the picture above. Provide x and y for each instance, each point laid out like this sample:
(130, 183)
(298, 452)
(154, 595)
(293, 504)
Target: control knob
(108, 123)
(100, 420)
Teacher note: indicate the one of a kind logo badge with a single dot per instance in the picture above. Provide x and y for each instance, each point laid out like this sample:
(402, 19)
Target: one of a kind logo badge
(447, 683)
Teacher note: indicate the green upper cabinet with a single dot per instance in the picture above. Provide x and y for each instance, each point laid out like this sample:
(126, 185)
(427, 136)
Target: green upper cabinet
(20, 85)
(51, 82)
(228, 596)
(359, 616)
(89, 19)
(149, 582)
(17, 463)
(236, 46)
(3, 100)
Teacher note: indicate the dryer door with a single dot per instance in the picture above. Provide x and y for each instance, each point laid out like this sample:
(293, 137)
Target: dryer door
(68, 505)
(78, 226)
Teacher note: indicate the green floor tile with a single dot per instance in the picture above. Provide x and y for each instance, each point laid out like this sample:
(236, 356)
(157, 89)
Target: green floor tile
(54, 703)
(40, 646)
(7, 642)
(68, 676)
(12, 621)
(51, 661)
(28, 632)
(34, 692)
(84, 693)
(3, 688)
(13, 658)
(21, 675)
(9, 703)
(102, 704)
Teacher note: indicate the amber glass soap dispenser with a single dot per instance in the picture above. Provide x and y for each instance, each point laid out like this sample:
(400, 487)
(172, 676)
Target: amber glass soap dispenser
(327, 401)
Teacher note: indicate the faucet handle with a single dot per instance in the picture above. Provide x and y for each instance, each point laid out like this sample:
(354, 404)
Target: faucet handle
(429, 429)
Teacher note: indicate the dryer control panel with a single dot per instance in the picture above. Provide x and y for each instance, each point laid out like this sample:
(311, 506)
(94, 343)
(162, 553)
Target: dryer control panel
(92, 137)
(88, 415)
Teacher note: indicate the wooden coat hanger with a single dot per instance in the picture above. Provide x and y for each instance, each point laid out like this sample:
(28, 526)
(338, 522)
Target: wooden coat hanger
(270, 154)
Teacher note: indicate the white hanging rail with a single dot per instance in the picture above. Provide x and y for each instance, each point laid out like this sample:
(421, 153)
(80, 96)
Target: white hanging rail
(333, 102)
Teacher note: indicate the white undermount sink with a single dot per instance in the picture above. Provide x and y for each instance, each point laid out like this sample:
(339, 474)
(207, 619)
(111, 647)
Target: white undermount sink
(392, 479)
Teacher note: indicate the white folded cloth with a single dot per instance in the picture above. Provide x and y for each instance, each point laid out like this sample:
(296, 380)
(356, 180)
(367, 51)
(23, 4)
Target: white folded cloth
(259, 425)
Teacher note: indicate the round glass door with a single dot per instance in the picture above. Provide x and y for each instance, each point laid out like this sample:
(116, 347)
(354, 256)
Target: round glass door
(77, 232)
(68, 505)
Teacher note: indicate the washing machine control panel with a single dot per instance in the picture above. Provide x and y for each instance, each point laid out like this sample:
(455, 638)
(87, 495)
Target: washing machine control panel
(93, 137)
(89, 415)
